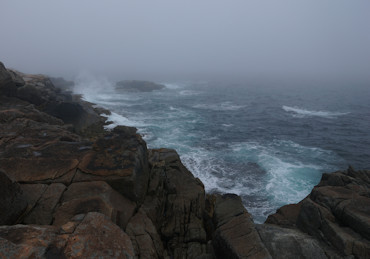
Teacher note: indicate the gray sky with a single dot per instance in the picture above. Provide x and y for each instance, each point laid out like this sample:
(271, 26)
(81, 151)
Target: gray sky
(144, 39)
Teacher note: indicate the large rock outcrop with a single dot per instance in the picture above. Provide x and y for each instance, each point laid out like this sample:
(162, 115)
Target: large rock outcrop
(83, 197)
(119, 158)
(286, 243)
(7, 85)
(235, 235)
(40, 91)
(13, 202)
(175, 203)
(81, 191)
(39, 148)
(145, 238)
(43, 206)
(336, 212)
(89, 235)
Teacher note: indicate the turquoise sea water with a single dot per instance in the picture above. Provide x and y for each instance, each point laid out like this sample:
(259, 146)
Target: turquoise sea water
(268, 144)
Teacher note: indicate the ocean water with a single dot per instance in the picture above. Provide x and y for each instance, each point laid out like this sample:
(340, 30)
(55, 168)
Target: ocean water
(269, 144)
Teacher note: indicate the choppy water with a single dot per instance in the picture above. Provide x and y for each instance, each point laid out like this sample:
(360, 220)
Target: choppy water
(268, 144)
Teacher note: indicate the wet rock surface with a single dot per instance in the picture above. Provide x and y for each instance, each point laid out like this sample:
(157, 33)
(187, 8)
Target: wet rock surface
(13, 202)
(119, 158)
(86, 236)
(43, 210)
(289, 243)
(285, 216)
(146, 241)
(83, 197)
(337, 212)
(96, 236)
(235, 235)
(175, 202)
(80, 192)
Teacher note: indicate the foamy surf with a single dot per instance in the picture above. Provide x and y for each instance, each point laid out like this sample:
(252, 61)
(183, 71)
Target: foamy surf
(118, 120)
(214, 173)
(189, 92)
(232, 148)
(288, 181)
(298, 112)
(266, 176)
(224, 106)
(287, 178)
(172, 86)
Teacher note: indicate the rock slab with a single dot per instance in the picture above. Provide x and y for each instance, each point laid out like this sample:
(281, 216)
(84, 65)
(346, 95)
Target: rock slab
(89, 235)
(235, 235)
(13, 203)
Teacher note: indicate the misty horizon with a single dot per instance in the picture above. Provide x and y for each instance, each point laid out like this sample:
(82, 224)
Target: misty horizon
(164, 40)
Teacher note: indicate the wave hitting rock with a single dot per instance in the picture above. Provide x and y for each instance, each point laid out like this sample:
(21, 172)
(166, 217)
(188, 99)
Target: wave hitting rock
(72, 190)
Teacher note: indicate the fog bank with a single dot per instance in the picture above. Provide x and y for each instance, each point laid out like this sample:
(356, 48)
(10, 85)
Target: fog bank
(188, 39)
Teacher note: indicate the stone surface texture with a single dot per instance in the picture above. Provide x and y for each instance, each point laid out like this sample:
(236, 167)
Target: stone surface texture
(337, 212)
(13, 202)
(92, 236)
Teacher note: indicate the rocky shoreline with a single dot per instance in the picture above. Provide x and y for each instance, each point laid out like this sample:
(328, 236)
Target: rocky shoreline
(70, 189)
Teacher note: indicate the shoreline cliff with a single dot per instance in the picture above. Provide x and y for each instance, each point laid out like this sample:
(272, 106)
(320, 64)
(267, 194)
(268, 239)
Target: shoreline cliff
(70, 189)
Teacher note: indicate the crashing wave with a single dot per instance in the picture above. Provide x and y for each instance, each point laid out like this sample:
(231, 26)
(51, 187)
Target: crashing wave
(298, 112)
(225, 106)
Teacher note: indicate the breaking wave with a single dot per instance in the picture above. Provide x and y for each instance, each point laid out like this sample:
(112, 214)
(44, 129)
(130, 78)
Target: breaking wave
(224, 106)
(235, 142)
(298, 112)
(116, 120)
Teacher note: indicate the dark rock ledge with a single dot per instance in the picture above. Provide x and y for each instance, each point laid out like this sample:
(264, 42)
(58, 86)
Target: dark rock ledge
(69, 189)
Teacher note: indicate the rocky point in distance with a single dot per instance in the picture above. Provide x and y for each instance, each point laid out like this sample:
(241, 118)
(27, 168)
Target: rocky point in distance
(70, 189)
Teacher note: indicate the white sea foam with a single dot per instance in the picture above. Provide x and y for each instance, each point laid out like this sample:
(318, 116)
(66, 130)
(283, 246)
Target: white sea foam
(314, 153)
(224, 106)
(118, 120)
(284, 180)
(105, 104)
(172, 86)
(300, 113)
(212, 170)
(189, 92)
(206, 167)
(288, 182)
(288, 179)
